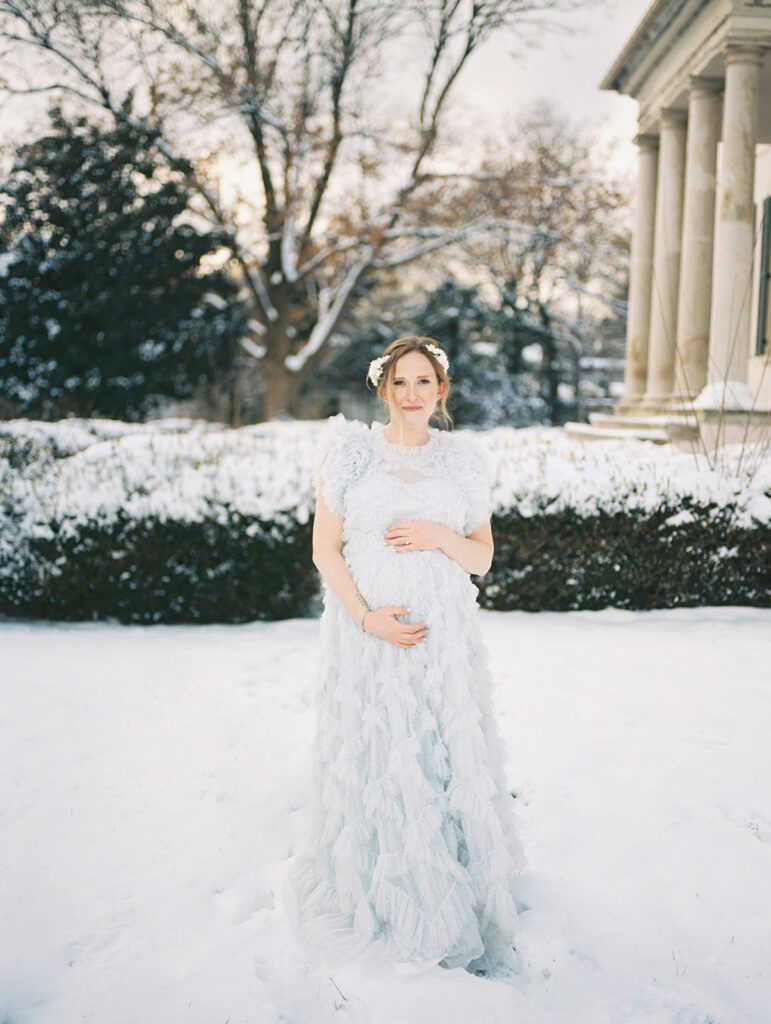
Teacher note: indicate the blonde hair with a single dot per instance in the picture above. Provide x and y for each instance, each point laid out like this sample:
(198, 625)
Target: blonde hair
(385, 387)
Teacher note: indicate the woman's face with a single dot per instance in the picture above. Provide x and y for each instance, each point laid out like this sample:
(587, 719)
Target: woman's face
(416, 388)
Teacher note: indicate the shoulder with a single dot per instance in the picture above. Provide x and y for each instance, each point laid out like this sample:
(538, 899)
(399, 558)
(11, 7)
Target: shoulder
(467, 454)
(341, 435)
(344, 450)
(340, 427)
(471, 467)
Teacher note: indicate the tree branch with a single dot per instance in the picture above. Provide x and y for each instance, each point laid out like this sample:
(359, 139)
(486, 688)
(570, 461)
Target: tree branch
(339, 74)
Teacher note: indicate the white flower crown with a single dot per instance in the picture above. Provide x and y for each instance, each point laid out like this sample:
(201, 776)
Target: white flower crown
(375, 371)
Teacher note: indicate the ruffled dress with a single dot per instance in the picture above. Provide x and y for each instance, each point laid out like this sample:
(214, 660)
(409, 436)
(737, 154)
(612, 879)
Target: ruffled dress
(412, 854)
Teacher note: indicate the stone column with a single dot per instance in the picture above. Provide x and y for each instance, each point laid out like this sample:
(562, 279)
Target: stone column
(729, 339)
(695, 289)
(666, 261)
(640, 274)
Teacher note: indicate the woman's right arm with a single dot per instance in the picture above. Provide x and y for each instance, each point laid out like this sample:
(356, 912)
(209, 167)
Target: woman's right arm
(328, 559)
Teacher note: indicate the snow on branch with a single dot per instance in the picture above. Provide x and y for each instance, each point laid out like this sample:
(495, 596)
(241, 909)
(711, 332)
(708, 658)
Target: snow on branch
(329, 313)
(324, 254)
(434, 241)
(618, 306)
(288, 256)
(255, 350)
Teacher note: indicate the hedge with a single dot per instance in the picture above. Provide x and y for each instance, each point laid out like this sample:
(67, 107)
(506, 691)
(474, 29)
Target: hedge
(181, 522)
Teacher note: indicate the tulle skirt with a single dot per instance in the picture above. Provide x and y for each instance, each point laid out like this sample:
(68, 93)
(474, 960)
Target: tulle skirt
(412, 852)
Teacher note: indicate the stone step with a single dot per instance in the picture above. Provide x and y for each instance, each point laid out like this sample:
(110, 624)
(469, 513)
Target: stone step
(651, 421)
(590, 432)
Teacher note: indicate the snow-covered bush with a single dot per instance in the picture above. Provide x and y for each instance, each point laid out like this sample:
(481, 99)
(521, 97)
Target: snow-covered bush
(627, 524)
(188, 521)
(174, 521)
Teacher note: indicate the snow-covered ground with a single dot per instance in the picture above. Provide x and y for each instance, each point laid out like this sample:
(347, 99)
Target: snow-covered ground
(154, 787)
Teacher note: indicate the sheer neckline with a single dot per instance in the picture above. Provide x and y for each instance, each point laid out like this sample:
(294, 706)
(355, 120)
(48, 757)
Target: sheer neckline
(412, 451)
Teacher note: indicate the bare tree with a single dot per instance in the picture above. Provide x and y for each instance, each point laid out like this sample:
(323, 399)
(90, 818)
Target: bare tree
(557, 248)
(330, 189)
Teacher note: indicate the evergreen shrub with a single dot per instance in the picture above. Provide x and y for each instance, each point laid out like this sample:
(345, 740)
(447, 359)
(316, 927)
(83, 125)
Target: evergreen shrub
(182, 522)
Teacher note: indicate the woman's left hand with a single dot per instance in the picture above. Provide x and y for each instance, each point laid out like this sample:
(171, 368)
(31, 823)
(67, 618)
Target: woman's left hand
(422, 534)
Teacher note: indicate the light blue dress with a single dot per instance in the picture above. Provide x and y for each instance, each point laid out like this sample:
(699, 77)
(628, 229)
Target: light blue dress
(413, 853)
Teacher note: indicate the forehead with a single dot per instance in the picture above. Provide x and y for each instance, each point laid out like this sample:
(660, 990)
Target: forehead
(413, 363)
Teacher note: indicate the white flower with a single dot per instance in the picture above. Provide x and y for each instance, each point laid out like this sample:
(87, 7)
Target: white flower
(440, 355)
(375, 371)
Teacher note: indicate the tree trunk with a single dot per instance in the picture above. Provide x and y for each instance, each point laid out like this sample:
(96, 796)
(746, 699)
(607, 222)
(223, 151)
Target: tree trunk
(550, 372)
(281, 389)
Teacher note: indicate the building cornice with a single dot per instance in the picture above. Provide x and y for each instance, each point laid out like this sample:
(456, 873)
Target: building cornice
(658, 31)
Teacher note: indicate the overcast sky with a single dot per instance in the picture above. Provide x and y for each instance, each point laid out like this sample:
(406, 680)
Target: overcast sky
(505, 76)
(567, 68)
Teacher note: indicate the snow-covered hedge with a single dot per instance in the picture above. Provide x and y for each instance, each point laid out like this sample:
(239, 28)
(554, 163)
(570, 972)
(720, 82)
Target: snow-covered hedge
(628, 524)
(543, 470)
(186, 521)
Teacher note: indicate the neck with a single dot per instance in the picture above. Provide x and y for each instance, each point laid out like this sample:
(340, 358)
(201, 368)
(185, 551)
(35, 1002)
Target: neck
(413, 434)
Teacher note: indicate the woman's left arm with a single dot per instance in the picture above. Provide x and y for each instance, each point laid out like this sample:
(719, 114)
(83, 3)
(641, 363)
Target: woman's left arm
(473, 553)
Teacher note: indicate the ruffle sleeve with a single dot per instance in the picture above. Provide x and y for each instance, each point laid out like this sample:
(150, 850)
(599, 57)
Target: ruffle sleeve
(474, 475)
(342, 455)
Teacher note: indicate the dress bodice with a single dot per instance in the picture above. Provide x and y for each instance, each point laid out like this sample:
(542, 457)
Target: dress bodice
(373, 482)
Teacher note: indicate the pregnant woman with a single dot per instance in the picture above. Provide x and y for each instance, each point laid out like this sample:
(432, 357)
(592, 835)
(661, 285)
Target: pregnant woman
(413, 853)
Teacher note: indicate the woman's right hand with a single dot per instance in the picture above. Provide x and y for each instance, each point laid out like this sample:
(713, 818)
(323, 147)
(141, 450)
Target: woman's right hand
(382, 623)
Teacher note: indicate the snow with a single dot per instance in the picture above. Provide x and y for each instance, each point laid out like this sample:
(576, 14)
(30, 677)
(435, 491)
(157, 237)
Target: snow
(7, 260)
(213, 299)
(156, 783)
(730, 395)
(258, 351)
(532, 354)
(541, 469)
(86, 471)
(485, 348)
(288, 256)
(330, 310)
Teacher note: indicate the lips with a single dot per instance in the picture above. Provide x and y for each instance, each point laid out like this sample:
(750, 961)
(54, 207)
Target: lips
(410, 408)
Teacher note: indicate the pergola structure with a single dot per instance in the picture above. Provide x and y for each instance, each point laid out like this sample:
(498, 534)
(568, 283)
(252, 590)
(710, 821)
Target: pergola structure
(699, 319)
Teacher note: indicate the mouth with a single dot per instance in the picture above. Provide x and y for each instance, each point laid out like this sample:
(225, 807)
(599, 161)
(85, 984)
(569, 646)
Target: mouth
(410, 408)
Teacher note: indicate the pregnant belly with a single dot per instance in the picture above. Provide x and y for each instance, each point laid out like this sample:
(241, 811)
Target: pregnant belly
(422, 580)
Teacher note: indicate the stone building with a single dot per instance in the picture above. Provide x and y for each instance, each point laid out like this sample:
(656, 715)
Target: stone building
(698, 357)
